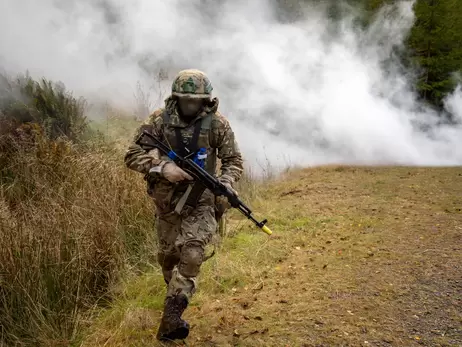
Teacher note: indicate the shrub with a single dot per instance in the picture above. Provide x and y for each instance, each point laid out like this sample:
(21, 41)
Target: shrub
(68, 223)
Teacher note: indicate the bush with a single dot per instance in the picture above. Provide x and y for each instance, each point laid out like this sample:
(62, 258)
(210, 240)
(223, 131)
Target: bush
(68, 224)
(23, 100)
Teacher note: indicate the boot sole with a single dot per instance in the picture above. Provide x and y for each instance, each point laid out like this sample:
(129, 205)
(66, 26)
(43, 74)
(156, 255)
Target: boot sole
(178, 334)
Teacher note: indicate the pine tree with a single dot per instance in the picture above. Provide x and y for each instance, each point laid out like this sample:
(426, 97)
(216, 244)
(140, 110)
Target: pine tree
(436, 47)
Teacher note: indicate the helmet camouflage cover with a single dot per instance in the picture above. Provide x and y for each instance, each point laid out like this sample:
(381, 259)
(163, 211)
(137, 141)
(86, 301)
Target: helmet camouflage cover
(192, 83)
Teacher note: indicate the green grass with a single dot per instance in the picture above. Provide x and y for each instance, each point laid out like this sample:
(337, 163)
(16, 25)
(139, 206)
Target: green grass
(347, 260)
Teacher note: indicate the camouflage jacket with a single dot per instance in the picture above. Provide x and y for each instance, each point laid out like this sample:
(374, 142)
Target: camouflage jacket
(218, 138)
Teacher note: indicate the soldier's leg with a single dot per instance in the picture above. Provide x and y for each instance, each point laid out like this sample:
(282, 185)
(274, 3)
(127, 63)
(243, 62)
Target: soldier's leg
(197, 231)
(168, 228)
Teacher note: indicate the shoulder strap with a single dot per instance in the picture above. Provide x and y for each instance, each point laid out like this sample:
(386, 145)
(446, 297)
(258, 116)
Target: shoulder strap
(195, 138)
(207, 122)
(203, 124)
(165, 117)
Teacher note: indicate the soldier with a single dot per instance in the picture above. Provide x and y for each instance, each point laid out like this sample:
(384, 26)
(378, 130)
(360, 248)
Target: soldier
(186, 217)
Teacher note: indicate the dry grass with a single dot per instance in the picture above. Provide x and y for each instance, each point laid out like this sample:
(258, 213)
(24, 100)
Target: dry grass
(71, 221)
(359, 257)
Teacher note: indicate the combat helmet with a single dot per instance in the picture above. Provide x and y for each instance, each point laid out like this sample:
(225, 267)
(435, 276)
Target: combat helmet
(192, 83)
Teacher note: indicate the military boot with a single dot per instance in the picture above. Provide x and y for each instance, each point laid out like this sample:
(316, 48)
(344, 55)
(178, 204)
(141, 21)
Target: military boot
(172, 326)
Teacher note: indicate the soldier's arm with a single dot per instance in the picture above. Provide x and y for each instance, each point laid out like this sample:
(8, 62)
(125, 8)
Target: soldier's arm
(136, 158)
(227, 149)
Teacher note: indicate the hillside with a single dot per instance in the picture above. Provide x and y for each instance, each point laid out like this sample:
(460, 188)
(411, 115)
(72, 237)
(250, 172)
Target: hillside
(359, 257)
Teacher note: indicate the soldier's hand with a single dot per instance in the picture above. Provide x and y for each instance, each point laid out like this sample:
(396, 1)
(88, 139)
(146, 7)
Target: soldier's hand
(226, 181)
(174, 173)
(222, 203)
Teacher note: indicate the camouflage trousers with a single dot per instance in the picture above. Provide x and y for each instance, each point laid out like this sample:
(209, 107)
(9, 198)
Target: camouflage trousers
(182, 243)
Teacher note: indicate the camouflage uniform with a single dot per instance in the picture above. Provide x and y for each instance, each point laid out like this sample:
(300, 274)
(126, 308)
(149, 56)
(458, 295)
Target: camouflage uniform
(184, 234)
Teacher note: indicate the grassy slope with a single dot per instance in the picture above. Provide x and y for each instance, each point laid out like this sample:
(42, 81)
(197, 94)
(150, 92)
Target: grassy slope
(359, 257)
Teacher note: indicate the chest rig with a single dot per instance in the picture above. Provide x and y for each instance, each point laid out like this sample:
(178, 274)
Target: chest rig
(190, 141)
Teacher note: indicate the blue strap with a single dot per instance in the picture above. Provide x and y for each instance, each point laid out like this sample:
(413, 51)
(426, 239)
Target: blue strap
(172, 155)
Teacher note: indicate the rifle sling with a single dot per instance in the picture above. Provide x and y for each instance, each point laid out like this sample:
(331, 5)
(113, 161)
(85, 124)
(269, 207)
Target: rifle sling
(180, 204)
(193, 193)
(196, 192)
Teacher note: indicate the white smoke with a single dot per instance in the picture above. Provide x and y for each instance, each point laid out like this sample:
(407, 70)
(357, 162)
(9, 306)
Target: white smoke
(302, 93)
(454, 104)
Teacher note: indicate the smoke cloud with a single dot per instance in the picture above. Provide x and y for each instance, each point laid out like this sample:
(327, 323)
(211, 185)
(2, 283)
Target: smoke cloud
(298, 91)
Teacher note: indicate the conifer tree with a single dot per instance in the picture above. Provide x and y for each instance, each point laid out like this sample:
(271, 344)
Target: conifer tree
(435, 43)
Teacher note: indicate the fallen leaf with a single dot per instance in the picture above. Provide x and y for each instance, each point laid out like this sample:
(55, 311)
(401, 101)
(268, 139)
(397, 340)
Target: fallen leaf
(258, 287)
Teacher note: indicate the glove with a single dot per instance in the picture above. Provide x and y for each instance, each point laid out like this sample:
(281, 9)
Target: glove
(221, 202)
(227, 182)
(173, 173)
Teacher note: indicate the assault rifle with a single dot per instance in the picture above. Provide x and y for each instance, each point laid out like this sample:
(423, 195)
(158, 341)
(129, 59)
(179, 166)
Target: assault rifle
(148, 141)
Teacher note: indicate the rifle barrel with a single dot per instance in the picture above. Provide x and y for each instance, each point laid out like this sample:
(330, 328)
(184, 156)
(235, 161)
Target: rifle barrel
(211, 182)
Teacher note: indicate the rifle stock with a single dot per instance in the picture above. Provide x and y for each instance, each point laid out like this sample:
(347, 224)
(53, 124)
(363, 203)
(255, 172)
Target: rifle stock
(148, 141)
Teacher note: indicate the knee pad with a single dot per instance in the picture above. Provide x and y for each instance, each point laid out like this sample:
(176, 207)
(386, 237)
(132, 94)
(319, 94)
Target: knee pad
(191, 261)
